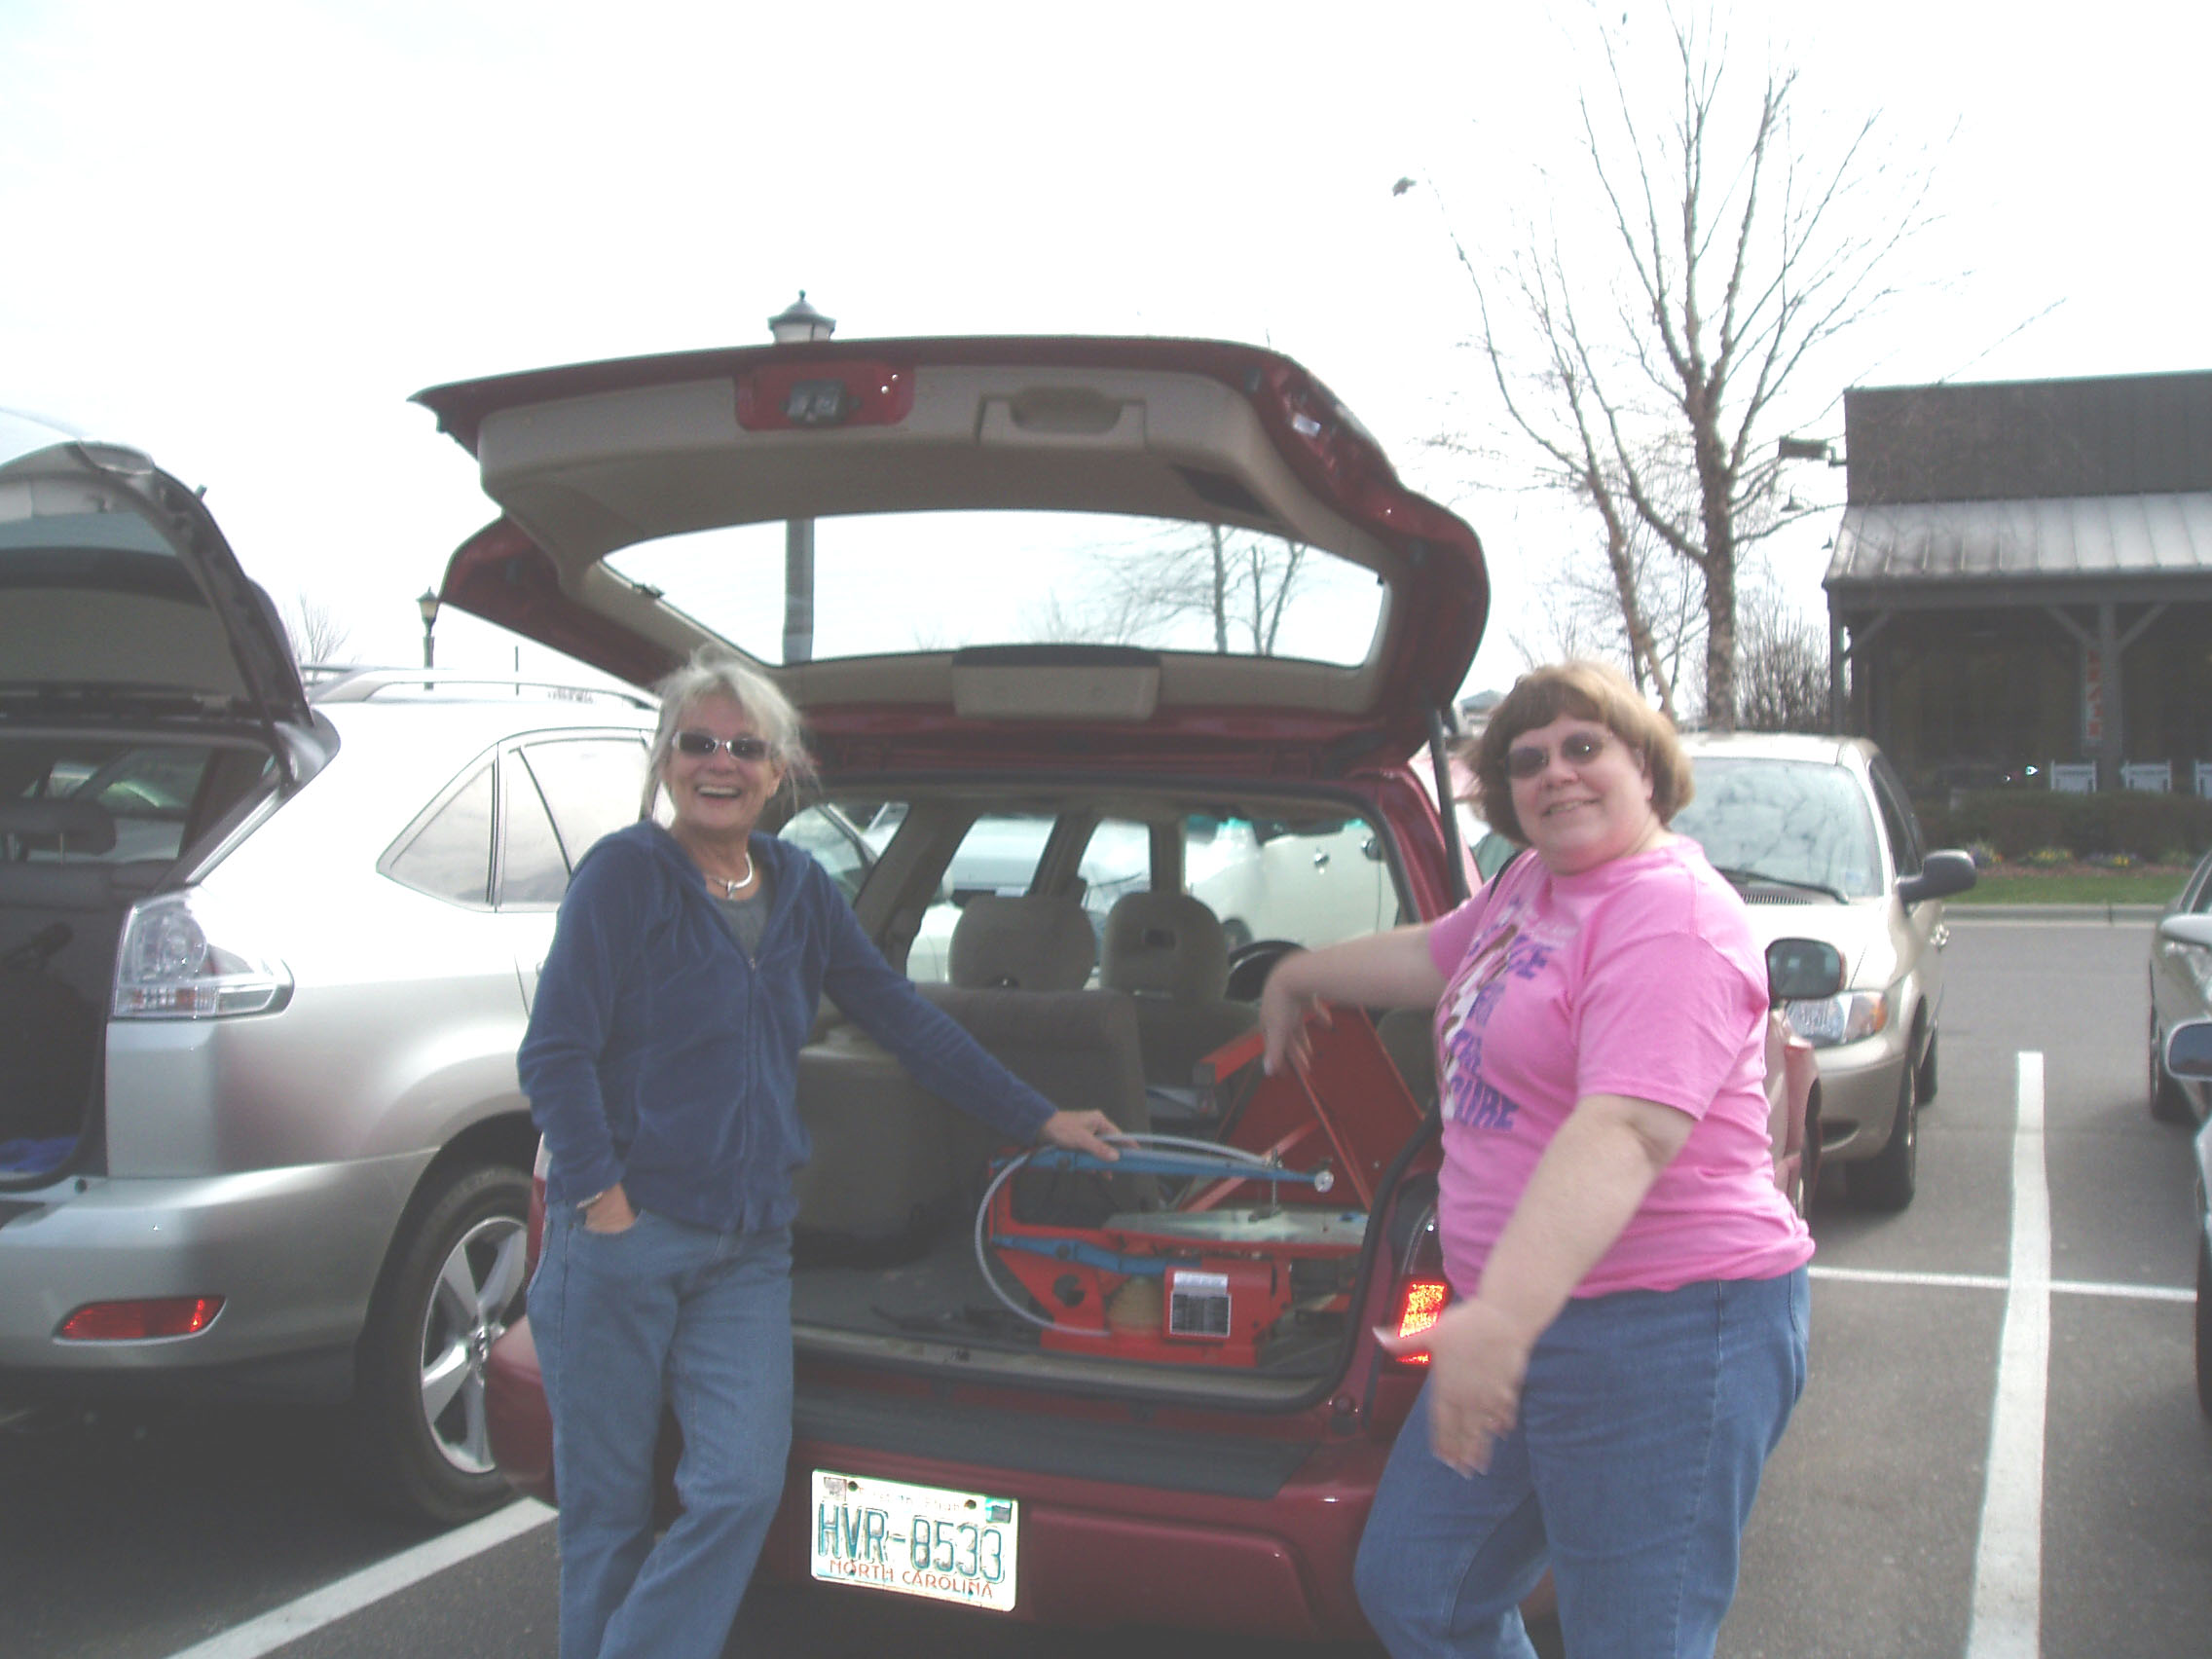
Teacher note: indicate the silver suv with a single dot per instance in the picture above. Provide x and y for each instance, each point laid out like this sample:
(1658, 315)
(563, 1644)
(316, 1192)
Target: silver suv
(264, 956)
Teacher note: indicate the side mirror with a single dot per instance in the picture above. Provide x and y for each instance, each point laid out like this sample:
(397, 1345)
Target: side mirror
(1941, 875)
(1800, 970)
(2189, 1049)
(2187, 930)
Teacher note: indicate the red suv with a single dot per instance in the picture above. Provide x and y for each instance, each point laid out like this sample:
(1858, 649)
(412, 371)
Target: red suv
(1086, 634)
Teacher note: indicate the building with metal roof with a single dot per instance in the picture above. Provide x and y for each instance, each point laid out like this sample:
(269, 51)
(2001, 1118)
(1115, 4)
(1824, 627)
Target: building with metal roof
(2023, 578)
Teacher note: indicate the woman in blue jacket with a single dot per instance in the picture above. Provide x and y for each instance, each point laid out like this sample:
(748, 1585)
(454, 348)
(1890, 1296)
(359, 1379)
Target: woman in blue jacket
(660, 1063)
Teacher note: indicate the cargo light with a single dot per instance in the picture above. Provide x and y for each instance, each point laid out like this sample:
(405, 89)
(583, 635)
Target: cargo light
(1420, 1304)
(139, 1322)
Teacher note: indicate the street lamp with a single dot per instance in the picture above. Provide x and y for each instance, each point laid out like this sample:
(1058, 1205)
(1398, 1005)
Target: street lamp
(800, 321)
(795, 323)
(427, 604)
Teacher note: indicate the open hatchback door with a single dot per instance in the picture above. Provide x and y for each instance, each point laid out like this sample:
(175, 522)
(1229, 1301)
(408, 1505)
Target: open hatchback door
(1183, 547)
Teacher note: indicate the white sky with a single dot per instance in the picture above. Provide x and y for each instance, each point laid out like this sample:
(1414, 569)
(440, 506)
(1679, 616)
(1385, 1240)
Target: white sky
(241, 234)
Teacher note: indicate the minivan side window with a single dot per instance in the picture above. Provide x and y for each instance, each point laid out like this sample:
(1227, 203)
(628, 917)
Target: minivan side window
(1897, 820)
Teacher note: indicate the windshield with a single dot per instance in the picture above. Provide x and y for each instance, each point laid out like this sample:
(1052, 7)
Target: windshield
(1791, 821)
(895, 582)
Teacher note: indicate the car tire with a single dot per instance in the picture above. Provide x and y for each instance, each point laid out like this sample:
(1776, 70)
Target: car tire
(1925, 1083)
(1809, 1155)
(2204, 1323)
(2169, 1103)
(1887, 1180)
(421, 1445)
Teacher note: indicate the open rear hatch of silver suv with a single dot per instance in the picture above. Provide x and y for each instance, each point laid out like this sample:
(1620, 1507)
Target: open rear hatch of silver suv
(148, 704)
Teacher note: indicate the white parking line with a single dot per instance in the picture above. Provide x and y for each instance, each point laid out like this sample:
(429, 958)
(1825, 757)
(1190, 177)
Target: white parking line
(2007, 1564)
(1996, 1281)
(372, 1584)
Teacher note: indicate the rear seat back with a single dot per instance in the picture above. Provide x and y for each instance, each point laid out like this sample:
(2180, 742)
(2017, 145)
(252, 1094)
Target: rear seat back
(1020, 968)
(890, 1161)
(1167, 951)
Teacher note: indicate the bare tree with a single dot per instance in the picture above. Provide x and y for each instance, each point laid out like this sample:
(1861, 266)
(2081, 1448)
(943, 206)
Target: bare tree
(1238, 584)
(1781, 679)
(313, 628)
(1728, 256)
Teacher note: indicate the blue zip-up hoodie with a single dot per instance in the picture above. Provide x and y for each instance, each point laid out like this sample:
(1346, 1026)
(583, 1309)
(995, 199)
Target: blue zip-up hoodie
(661, 1056)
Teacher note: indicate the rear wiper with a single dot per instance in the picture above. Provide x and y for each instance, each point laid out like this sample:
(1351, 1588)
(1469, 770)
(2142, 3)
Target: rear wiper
(1748, 877)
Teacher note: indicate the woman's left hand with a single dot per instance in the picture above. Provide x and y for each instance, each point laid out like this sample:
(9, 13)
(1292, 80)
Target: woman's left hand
(1081, 1131)
(1477, 1361)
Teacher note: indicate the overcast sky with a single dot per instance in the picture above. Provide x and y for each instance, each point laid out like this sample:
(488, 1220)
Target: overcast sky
(241, 234)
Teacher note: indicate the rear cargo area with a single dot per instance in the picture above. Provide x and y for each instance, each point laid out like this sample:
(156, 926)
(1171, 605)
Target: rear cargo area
(1223, 1253)
(89, 825)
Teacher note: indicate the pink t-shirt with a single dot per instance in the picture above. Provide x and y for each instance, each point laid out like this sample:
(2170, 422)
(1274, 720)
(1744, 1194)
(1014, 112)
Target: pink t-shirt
(1637, 978)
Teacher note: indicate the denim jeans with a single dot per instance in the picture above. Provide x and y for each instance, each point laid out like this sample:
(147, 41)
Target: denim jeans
(1646, 1419)
(624, 1322)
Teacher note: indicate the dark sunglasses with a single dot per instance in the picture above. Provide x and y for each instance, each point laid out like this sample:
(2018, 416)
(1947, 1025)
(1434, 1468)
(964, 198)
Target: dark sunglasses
(704, 743)
(1578, 750)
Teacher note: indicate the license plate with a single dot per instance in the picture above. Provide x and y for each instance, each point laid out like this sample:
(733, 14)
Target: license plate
(916, 1541)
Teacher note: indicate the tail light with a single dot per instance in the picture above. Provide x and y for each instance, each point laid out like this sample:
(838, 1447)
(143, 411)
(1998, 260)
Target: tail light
(1423, 1292)
(1420, 1304)
(177, 962)
(139, 1322)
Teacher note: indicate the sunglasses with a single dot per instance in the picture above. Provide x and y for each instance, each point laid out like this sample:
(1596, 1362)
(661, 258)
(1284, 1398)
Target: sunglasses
(1578, 750)
(703, 743)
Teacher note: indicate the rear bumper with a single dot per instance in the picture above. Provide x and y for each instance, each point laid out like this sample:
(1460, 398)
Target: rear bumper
(293, 1253)
(1093, 1552)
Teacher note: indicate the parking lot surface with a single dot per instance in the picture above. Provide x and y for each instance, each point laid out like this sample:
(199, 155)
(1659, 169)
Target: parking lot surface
(1938, 1492)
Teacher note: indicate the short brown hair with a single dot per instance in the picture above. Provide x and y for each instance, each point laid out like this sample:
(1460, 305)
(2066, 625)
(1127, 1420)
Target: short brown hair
(1587, 691)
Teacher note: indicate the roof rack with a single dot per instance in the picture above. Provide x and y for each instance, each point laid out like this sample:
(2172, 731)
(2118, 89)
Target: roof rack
(332, 683)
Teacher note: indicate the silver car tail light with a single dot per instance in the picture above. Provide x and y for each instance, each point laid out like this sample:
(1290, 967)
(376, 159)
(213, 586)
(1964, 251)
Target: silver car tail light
(178, 963)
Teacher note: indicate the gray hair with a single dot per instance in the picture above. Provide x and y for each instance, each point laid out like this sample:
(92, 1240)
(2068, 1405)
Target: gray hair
(713, 673)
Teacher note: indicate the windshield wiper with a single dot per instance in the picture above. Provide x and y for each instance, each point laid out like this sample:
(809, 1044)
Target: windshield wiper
(1747, 878)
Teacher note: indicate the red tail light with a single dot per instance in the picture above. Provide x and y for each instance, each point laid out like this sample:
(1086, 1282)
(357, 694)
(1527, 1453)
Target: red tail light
(137, 1321)
(1420, 1304)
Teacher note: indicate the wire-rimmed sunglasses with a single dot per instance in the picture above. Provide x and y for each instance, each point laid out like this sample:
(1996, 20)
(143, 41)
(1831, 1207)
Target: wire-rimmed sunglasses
(1577, 748)
(700, 744)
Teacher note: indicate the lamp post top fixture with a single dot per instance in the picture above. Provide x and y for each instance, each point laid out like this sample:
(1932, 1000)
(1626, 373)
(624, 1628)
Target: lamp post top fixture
(427, 604)
(800, 321)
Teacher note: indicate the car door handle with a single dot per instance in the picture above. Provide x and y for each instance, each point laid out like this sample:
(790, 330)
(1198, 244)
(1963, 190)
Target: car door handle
(1320, 860)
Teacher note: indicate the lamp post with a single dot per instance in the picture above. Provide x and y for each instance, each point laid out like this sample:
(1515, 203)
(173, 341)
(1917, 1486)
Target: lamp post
(797, 322)
(427, 604)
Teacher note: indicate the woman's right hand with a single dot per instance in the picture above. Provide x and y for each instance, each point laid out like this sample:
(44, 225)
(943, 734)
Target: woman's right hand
(611, 1212)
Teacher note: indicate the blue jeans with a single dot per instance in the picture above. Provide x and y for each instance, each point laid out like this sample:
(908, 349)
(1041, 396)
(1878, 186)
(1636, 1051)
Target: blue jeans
(624, 1322)
(1645, 1420)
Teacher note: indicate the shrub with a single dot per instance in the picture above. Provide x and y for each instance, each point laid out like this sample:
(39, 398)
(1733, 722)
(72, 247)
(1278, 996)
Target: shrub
(2169, 828)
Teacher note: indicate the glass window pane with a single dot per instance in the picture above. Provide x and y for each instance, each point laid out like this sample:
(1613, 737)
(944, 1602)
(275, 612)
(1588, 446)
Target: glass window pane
(1312, 882)
(1789, 821)
(999, 854)
(590, 785)
(451, 857)
(832, 835)
(146, 791)
(1102, 578)
(532, 869)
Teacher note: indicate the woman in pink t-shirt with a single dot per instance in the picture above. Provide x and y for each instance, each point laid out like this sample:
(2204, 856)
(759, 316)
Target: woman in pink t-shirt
(1629, 1332)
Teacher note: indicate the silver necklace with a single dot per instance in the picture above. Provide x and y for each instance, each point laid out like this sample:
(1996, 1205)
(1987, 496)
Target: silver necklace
(729, 887)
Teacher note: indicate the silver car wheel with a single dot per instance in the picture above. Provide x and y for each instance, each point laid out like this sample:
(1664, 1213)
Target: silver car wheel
(478, 1293)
